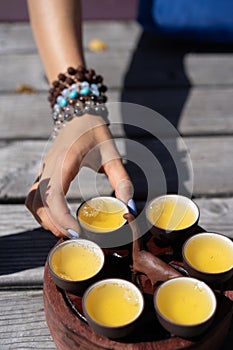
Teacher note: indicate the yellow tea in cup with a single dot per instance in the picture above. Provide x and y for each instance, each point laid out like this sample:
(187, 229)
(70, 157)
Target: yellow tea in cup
(209, 252)
(77, 260)
(113, 302)
(185, 301)
(102, 214)
(172, 212)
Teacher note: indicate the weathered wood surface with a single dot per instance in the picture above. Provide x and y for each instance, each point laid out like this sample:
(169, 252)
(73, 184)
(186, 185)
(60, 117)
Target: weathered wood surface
(20, 161)
(29, 116)
(22, 321)
(17, 37)
(20, 62)
(114, 64)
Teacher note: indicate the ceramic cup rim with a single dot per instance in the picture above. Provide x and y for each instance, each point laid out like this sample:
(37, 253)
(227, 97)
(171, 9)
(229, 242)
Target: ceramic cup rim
(90, 228)
(191, 279)
(118, 281)
(196, 236)
(77, 241)
(179, 196)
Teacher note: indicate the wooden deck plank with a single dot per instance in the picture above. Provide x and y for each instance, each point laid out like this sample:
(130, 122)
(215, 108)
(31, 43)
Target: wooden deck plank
(216, 214)
(20, 161)
(167, 64)
(23, 255)
(148, 70)
(196, 112)
(27, 69)
(18, 38)
(22, 321)
(116, 67)
(21, 165)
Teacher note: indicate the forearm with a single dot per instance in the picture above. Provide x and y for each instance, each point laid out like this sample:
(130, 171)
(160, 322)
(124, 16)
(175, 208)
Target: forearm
(57, 29)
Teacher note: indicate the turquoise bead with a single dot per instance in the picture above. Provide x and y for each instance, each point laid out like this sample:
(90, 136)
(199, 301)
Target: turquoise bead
(73, 94)
(85, 91)
(63, 102)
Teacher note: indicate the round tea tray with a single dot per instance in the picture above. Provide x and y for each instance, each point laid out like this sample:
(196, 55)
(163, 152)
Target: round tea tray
(69, 329)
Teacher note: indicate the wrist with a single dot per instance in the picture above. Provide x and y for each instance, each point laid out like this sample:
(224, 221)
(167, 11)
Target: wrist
(75, 93)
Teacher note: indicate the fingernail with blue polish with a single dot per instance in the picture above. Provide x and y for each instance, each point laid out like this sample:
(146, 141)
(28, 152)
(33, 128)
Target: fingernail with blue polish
(132, 207)
(72, 233)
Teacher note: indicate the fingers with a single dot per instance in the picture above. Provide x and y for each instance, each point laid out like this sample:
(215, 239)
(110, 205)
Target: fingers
(119, 179)
(121, 183)
(55, 218)
(60, 214)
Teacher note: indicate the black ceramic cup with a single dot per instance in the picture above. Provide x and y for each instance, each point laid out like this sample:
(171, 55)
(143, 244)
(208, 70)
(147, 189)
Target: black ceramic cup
(208, 256)
(66, 263)
(185, 306)
(102, 221)
(113, 307)
(172, 217)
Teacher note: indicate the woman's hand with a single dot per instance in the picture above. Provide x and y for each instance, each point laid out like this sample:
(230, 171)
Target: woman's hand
(85, 141)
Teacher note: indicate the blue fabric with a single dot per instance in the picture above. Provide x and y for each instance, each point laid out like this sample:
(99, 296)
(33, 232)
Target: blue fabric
(198, 19)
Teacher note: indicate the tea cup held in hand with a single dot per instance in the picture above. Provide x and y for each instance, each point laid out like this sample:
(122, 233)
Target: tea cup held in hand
(102, 221)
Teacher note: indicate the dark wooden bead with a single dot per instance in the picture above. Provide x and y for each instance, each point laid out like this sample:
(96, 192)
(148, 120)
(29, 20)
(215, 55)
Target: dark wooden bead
(69, 81)
(71, 71)
(91, 72)
(62, 86)
(81, 69)
(50, 98)
(102, 99)
(62, 77)
(56, 83)
(51, 91)
(80, 76)
(103, 88)
(88, 77)
(99, 79)
(56, 94)
(94, 79)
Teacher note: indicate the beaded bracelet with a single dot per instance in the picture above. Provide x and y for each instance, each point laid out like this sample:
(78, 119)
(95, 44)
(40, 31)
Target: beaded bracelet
(76, 92)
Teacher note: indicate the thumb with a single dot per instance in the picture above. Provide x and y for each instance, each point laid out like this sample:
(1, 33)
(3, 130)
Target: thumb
(120, 182)
(124, 190)
(119, 179)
